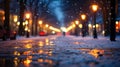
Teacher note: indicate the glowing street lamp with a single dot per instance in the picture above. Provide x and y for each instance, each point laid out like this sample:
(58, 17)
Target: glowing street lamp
(27, 16)
(46, 25)
(76, 22)
(94, 8)
(15, 18)
(83, 16)
(40, 22)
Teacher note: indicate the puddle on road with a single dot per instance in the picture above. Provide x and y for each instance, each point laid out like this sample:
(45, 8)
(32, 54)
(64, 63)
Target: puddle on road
(44, 54)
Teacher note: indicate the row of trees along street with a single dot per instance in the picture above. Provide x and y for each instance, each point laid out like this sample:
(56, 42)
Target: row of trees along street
(22, 4)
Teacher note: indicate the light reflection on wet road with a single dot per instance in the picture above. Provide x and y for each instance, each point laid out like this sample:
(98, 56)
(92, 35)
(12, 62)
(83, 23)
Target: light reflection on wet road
(45, 53)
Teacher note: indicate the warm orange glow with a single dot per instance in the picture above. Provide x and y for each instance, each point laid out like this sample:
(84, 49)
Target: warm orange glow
(23, 23)
(73, 25)
(15, 18)
(27, 15)
(55, 29)
(2, 12)
(94, 7)
(49, 61)
(16, 60)
(26, 22)
(53, 32)
(41, 44)
(116, 22)
(69, 28)
(46, 25)
(47, 41)
(117, 27)
(26, 28)
(17, 53)
(80, 25)
(27, 52)
(40, 22)
(28, 46)
(18, 23)
(3, 18)
(93, 26)
(76, 22)
(96, 52)
(89, 25)
(40, 60)
(97, 25)
(27, 62)
(40, 51)
(83, 16)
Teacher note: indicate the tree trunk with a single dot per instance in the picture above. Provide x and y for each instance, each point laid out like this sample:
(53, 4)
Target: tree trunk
(22, 8)
(7, 15)
(112, 24)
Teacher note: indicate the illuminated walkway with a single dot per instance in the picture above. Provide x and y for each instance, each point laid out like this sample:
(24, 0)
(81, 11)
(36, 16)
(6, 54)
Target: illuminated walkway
(59, 51)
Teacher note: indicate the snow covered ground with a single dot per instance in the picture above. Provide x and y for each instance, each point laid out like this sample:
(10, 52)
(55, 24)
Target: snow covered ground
(87, 42)
(60, 51)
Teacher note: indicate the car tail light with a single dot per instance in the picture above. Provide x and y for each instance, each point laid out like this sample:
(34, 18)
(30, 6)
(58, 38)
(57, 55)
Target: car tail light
(14, 32)
(42, 33)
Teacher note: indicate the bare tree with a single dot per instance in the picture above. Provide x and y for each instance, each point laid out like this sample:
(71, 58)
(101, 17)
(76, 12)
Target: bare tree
(22, 8)
(7, 15)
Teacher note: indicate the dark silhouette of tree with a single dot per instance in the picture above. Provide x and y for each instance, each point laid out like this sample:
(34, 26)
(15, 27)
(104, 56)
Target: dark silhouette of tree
(112, 23)
(37, 10)
(22, 8)
(105, 9)
(7, 15)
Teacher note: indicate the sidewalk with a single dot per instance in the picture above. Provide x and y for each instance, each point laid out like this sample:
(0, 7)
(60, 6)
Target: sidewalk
(87, 42)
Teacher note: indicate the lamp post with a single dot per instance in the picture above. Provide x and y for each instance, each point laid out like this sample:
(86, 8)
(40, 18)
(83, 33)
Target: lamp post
(27, 16)
(94, 8)
(83, 17)
(47, 28)
(40, 23)
(77, 28)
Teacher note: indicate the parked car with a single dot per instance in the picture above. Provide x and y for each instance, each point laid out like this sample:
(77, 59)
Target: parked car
(4, 34)
(42, 33)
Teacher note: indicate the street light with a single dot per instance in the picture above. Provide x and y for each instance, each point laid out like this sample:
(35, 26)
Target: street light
(40, 23)
(83, 17)
(76, 22)
(47, 28)
(27, 16)
(77, 28)
(46, 25)
(94, 8)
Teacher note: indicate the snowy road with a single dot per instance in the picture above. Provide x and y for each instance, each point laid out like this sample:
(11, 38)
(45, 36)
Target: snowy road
(59, 51)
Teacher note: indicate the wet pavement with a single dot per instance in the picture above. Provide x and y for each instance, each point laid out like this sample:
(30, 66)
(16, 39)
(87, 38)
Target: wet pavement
(46, 53)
